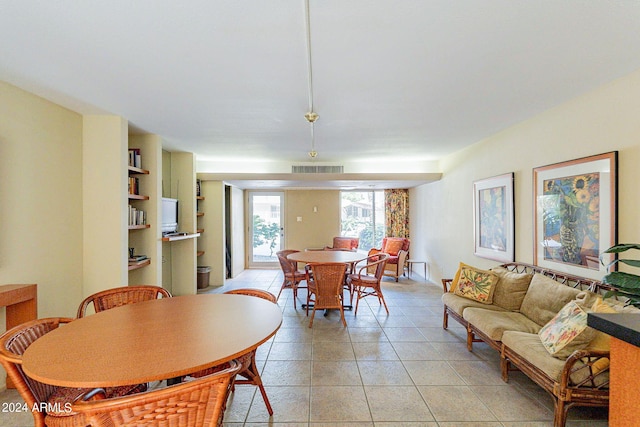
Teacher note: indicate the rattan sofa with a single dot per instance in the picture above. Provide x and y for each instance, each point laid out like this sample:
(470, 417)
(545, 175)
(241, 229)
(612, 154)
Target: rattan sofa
(510, 324)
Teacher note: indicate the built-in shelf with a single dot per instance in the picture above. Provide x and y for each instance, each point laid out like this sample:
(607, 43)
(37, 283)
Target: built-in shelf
(138, 197)
(199, 197)
(133, 169)
(180, 237)
(200, 230)
(199, 253)
(199, 213)
(139, 264)
(139, 226)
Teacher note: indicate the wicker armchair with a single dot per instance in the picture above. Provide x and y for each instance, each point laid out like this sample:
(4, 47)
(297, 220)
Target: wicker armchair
(398, 250)
(13, 344)
(124, 295)
(292, 276)
(325, 282)
(249, 368)
(369, 284)
(199, 402)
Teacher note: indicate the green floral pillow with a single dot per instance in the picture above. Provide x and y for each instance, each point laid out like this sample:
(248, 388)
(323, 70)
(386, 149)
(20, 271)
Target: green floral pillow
(478, 285)
(567, 331)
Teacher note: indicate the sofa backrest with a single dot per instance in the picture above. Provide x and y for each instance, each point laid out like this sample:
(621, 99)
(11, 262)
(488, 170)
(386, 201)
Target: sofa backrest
(550, 290)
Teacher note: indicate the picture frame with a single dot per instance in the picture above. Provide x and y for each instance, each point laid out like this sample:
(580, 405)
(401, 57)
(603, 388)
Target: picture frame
(575, 218)
(493, 202)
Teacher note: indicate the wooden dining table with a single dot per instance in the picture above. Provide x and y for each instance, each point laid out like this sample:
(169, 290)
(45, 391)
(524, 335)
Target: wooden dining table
(152, 340)
(347, 257)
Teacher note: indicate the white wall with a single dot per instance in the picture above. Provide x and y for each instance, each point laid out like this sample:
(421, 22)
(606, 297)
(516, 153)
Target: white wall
(601, 121)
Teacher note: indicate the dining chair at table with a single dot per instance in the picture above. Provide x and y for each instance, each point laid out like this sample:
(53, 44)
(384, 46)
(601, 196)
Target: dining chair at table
(249, 368)
(53, 401)
(199, 402)
(365, 284)
(292, 276)
(325, 283)
(115, 297)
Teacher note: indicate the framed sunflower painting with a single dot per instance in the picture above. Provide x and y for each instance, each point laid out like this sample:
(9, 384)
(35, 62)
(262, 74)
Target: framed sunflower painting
(576, 214)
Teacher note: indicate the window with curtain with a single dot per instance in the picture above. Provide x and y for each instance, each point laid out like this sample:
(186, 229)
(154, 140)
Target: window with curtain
(363, 216)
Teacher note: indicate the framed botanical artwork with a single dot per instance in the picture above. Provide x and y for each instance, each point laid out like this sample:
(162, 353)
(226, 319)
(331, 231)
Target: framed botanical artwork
(576, 214)
(494, 218)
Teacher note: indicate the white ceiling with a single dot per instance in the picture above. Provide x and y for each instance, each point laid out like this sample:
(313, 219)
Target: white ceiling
(394, 80)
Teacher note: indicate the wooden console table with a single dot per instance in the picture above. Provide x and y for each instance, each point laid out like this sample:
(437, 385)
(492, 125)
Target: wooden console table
(21, 302)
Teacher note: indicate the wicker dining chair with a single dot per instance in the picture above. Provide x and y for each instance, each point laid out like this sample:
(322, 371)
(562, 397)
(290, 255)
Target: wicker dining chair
(249, 369)
(124, 295)
(364, 284)
(292, 276)
(325, 282)
(54, 400)
(199, 402)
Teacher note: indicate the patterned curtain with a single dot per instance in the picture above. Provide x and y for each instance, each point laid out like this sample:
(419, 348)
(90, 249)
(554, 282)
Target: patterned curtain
(396, 212)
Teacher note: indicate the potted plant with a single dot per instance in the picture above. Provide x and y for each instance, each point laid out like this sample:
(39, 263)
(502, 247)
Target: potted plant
(627, 285)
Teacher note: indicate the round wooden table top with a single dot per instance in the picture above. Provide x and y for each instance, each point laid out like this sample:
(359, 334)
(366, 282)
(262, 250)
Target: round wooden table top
(327, 256)
(152, 340)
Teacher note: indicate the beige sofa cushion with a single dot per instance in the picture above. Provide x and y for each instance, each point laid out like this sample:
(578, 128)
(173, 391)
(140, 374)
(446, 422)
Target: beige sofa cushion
(545, 297)
(459, 304)
(529, 347)
(494, 323)
(511, 288)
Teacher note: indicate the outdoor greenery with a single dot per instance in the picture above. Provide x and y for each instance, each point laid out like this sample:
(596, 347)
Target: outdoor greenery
(627, 284)
(265, 233)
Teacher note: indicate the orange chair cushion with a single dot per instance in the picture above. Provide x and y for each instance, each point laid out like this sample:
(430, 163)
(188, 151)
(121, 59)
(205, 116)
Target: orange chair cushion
(393, 247)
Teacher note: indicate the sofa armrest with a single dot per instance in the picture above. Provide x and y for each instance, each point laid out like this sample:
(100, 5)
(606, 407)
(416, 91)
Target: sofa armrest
(595, 370)
(446, 284)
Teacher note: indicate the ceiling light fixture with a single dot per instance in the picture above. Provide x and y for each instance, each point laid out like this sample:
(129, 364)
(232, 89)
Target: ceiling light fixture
(311, 116)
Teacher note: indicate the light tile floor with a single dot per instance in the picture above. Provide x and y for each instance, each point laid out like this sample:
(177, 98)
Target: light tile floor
(400, 369)
(396, 370)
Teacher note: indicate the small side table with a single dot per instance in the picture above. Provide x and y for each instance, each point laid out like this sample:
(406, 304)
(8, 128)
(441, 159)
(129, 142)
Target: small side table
(410, 263)
(21, 302)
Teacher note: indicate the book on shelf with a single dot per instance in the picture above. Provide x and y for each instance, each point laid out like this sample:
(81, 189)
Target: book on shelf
(134, 158)
(137, 216)
(134, 185)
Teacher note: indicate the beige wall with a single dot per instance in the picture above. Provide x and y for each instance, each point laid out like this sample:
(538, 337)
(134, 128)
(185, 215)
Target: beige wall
(601, 121)
(317, 229)
(41, 199)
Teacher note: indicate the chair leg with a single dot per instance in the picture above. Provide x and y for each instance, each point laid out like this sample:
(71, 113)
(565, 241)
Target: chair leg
(357, 301)
(252, 375)
(381, 298)
(294, 286)
(313, 313)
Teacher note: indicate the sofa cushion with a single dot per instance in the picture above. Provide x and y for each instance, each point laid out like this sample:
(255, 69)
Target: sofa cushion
(459, 304)
(567, 331)
(511, 288)
(494, 323)
(529, 347)
(476, 284)
(544, 299)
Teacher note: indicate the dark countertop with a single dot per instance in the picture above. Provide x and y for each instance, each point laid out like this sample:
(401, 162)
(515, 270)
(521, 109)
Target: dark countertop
(623, 326)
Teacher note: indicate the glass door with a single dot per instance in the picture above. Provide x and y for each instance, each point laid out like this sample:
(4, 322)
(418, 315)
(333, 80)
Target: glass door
(266, 229)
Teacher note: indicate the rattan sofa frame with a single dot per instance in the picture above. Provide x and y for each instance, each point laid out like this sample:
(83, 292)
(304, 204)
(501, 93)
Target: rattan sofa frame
(593, 388)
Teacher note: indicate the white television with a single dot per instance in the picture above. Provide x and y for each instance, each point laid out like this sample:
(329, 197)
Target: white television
(169, 215)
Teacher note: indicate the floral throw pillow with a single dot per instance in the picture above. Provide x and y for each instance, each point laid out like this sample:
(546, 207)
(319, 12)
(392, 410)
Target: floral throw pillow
(478, 285)
(567, 331)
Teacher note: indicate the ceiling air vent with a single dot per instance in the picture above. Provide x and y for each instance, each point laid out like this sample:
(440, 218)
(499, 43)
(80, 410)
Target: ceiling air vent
(316, 169)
